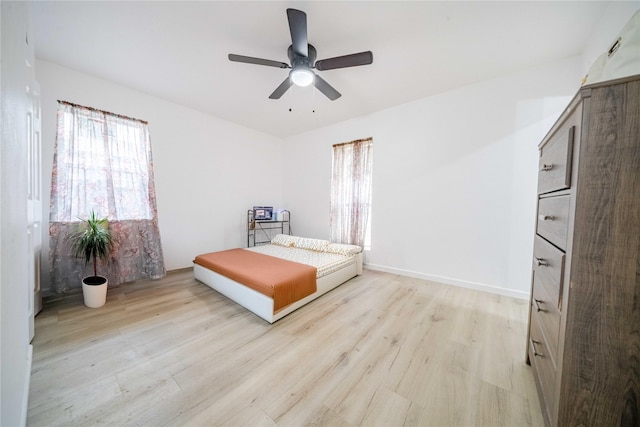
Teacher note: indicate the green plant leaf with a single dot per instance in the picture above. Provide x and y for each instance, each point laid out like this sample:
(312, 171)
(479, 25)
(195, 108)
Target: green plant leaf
(92, 240)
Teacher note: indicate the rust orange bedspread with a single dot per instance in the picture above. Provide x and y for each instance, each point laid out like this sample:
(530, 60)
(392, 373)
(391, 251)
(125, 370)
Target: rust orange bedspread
(284, 281)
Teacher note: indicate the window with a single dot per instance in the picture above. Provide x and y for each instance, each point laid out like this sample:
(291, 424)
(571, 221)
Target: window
(102, 163)
(351, 192)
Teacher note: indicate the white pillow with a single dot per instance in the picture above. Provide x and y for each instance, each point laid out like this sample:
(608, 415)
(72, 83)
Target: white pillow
(311, 244)
(284, 240)
(342, 249)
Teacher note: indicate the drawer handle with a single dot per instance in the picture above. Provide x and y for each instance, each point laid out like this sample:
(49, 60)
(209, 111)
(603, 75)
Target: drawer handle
(535, 350)
(541, 262)
(546, 217)
(546, 167)
(538, 308)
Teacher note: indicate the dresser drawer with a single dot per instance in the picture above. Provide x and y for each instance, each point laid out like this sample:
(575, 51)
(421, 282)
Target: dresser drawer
(543, 367)
(553, 217)
(547, 315)
(548, 264)
(555, 161)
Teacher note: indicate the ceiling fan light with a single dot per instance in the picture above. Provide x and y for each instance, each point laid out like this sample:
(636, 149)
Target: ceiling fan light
(302, 76)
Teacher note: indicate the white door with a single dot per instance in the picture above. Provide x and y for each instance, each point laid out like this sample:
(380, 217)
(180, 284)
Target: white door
(34, 200)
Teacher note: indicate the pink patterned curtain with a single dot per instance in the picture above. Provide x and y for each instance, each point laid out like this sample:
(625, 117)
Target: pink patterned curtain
(351, 191)
(102, 162)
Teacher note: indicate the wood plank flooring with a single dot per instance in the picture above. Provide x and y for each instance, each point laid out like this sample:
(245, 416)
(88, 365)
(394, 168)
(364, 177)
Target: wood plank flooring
(380, 350)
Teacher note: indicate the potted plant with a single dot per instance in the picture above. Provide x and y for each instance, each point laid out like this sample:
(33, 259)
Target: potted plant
(92, 241)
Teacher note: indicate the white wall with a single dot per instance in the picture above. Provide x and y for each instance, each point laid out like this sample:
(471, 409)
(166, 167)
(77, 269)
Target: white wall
(454, 174)
(208, 171)
(15, 351)
(454, 186)
(454, 178)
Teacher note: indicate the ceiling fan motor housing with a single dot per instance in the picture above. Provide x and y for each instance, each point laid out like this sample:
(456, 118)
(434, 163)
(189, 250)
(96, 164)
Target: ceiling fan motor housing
(297, 60)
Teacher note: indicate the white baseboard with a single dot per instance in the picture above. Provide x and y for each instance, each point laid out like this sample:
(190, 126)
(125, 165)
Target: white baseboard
(450, 281)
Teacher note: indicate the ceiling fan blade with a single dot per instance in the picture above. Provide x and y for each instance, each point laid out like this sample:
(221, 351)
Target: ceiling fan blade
(298, 28)
(326, 88)
(353, 60)
(257, 61)
(280, 90)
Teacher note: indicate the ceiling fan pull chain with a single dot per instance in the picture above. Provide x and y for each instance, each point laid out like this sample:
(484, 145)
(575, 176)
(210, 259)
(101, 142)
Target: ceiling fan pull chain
(290, 96)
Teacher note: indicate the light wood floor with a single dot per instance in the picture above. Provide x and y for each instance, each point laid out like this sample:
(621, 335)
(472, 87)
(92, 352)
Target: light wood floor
(380, 350)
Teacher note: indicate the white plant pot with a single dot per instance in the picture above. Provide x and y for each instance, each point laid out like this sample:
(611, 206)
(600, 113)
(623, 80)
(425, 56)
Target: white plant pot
(94, 295)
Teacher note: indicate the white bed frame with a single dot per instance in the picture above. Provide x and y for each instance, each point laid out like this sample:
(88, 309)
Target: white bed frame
(262, 305)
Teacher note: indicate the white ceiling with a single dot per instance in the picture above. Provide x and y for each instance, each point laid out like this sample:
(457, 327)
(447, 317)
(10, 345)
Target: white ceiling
(177, 50)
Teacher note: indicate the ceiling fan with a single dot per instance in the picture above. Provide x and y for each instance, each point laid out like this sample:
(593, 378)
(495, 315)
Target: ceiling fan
(302, 56)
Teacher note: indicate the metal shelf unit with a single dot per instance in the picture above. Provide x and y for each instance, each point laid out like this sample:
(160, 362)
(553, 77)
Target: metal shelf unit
(260, 232)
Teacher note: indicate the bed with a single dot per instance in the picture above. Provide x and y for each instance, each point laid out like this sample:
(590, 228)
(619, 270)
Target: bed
(275, 279)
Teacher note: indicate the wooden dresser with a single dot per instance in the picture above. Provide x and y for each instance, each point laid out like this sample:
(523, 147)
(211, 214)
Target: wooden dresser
(584, 320)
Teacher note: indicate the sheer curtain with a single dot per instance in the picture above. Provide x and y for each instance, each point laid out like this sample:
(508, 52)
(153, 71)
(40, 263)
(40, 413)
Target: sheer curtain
(351, 191)
(102, 162)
